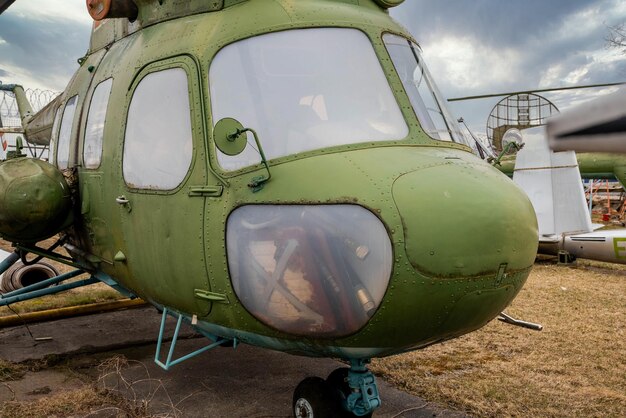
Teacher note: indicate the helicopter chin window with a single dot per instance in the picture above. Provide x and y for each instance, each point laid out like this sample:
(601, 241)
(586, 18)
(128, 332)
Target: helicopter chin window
(309, 270)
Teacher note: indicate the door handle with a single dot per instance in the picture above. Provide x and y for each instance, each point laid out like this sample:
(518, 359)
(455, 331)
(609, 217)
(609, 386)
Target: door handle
(206, 191)
(122, 200)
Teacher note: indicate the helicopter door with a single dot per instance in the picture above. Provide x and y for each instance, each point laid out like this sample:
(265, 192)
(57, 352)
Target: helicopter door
(163, 157)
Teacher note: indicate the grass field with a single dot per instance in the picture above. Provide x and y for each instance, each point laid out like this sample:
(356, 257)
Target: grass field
(576, 366)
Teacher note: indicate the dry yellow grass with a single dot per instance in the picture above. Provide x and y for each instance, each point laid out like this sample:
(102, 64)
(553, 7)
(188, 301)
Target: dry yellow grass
(77, 402)
(575, 367)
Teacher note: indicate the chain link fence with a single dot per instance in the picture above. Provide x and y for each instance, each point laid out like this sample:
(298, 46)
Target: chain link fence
(10, 118)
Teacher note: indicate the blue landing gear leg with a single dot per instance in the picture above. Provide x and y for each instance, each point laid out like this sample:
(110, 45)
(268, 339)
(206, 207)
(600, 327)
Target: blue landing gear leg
(346, 393)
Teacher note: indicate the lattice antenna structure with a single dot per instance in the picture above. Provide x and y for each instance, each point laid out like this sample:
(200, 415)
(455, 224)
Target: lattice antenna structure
(518, 111)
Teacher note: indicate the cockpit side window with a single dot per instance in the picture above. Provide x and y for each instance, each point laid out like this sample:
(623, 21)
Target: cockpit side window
(425, 98)
(54, 138)
(302, 90)
(158, 146)
(65, 133)
(94, 130)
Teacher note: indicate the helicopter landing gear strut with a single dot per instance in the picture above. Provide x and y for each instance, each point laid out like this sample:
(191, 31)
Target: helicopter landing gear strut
(346, 393)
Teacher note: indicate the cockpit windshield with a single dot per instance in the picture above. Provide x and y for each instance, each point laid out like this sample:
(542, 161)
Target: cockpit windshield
(303, 90)
(426, 100)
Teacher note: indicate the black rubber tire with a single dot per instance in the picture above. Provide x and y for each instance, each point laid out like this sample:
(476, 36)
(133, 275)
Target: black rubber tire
(337, 380)
(340, 390)
(313, 399)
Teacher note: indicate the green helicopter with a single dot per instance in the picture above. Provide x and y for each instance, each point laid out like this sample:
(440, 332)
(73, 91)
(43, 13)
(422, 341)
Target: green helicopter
(280, 173)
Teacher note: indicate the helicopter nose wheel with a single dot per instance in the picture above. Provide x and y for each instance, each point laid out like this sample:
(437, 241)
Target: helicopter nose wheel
(313, 399)
(346, 393)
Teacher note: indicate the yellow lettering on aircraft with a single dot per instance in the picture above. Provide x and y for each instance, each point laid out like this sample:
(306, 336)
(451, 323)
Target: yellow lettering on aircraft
(620, 250)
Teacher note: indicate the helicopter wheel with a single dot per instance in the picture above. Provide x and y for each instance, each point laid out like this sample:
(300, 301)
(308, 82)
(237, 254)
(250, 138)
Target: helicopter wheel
(313, 398)
(338, 384)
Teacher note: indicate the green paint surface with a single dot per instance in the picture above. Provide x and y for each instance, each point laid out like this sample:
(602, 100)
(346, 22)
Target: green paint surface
(452, 219)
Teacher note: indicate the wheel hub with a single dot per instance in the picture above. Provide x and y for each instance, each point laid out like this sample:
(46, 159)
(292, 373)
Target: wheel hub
(303, 409)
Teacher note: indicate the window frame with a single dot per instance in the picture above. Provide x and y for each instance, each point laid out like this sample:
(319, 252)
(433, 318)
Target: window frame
(71, 129)
(375, 38)
(458, 138)
(194, 90)
(89, 109)
(54, 135)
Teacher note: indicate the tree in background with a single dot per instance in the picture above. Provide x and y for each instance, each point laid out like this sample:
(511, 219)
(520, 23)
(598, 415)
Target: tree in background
(617, 37)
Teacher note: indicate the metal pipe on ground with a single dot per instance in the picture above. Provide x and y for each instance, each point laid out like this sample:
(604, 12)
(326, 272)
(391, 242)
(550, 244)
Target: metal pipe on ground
(71, 311)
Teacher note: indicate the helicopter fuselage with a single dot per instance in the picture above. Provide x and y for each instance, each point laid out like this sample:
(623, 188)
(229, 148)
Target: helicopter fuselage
(369, 239)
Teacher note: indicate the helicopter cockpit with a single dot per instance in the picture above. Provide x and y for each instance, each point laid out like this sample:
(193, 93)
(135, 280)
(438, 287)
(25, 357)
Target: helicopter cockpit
(318, 270)
(308, 89)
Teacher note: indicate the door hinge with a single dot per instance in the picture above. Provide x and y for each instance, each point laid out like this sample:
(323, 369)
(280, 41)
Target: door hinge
(206, 191)
(211, 296)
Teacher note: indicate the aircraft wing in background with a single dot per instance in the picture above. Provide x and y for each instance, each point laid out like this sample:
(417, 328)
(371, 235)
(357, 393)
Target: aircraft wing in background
(552, 182)
(598, 126)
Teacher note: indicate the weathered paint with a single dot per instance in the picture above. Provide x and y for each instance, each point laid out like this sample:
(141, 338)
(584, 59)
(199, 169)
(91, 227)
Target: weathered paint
(463, 236)
(35, 200)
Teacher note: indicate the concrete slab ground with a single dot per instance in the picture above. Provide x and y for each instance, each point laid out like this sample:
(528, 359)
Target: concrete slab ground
(84, 334)
(226, 382)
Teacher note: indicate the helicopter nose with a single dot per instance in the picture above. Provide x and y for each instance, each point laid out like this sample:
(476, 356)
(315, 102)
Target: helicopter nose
(465, 220)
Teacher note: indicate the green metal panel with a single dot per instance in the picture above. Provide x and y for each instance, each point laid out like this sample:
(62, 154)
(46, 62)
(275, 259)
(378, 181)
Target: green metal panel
(168, 225)
(367, 178)
(170, 247)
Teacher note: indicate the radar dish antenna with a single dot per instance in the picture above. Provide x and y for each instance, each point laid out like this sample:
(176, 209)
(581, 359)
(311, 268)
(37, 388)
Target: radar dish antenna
(517, 111)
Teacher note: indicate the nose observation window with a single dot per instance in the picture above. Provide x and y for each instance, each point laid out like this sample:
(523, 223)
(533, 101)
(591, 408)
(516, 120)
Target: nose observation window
(311, 270)
(303, 90)
(425, 98)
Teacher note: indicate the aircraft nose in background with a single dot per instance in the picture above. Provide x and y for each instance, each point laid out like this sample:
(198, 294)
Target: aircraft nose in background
(465, 220)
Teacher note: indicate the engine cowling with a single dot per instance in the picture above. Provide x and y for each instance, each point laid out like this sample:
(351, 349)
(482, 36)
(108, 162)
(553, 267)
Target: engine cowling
(35, 200)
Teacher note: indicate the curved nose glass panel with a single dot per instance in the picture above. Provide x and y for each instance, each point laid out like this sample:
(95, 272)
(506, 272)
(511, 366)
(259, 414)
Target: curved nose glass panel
(425, 98)
(302, 90)
(317, 271)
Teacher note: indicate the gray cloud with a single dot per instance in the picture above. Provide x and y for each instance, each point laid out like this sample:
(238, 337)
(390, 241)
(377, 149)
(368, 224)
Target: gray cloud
(539, 43)
(47, 49)
(516, 44)
(490, 22)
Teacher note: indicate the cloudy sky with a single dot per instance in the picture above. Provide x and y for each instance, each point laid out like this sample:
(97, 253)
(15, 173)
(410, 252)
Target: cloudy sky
(471, 46)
